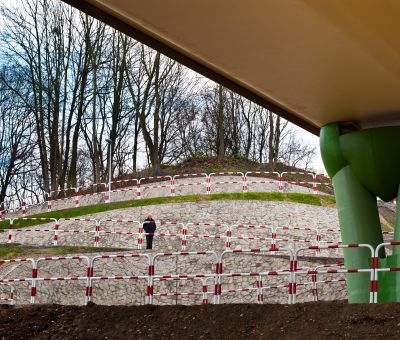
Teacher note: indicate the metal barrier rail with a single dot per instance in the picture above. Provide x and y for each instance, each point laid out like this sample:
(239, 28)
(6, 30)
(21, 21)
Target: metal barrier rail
(59, 278)
(183, 176)
(266, 180)
(11, 224)
(31, 279)
(133, 181)
(203, 293)
(371, 270)
(91, 270)
(291, 272)
(151, 186)
(185, 232)
(105, 189)
(317, 235)
(114, 231)
(10, 298)
(315, 280)
(242, 182)
(311, 183)
(288, 271)
(153, 275)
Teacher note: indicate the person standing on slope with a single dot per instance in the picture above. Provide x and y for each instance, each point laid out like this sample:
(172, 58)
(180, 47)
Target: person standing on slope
(149, 226)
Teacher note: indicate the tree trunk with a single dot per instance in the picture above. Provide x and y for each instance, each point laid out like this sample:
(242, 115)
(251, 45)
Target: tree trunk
(72, 180)
(96, 155)
(220, 118)
(152, 148)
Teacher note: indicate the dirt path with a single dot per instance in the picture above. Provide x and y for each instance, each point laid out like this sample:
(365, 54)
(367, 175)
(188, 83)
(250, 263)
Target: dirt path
(332, 320)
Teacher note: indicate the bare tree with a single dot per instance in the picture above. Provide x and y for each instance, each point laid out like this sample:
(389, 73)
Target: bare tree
(220, 122)
(296, 153)
(16, 134)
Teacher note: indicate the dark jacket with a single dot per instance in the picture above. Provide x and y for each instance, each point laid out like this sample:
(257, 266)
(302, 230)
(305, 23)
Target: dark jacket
(149, 225)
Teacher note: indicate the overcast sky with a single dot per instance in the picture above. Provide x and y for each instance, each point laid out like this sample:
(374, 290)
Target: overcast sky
(306, 136)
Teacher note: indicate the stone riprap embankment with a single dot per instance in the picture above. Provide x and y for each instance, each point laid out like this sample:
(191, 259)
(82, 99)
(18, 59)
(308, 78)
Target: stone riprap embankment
(241, 217)
(250, 214)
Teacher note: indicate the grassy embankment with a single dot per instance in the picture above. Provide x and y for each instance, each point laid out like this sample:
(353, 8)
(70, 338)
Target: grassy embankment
(12, 250)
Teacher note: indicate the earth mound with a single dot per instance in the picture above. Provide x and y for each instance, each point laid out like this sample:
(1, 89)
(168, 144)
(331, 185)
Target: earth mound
(316, 320)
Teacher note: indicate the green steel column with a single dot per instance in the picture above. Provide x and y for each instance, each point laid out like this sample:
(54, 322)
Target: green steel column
(396, 249)
(364, 165)
(358, 213)
(359, 223)
(389, 282)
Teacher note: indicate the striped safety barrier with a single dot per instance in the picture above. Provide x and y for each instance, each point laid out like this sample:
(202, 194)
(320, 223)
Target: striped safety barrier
(148, 183)
(186, 232)
(371, 270)
(175, 181)
(7, 297)
(310, 182)
(261, 177)
(290, 272)
(212, 175)
(168, 182)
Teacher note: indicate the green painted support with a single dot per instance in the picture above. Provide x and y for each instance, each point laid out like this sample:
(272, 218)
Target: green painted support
(359, 223)
(364, 165)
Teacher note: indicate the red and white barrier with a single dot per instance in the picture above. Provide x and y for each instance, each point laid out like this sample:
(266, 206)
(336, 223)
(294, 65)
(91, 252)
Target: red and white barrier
(30, 280)
(118, 227)
(286, 271)
(203, 293)
(11, 225)
(175, 181)
(10, 297)
(92, 277)
(371, 270)
(70, 194)
(322, 180)
(131, 185)
(264, 178)
(96, 231)
(290, 274)
(269, 233)
(212, 175)
(96, 189)
(61, 195)
(49, 206)
(157, 182)
(152, 268)
(186, 232)
(10, 229)
(155, 185)
(34, 200)
(73, 277)
(180, 233)
(311, 182)
(225, 233)
(316, 235)
(258, 288)
(11, 205)
(315, 280)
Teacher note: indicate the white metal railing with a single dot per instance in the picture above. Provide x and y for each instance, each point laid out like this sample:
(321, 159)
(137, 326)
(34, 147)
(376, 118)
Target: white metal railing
(287, 274)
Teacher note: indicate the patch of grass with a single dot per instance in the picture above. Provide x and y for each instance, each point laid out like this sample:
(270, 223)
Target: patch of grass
(13, 250)
(9, 251)
(310, 199)
(328, 201)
